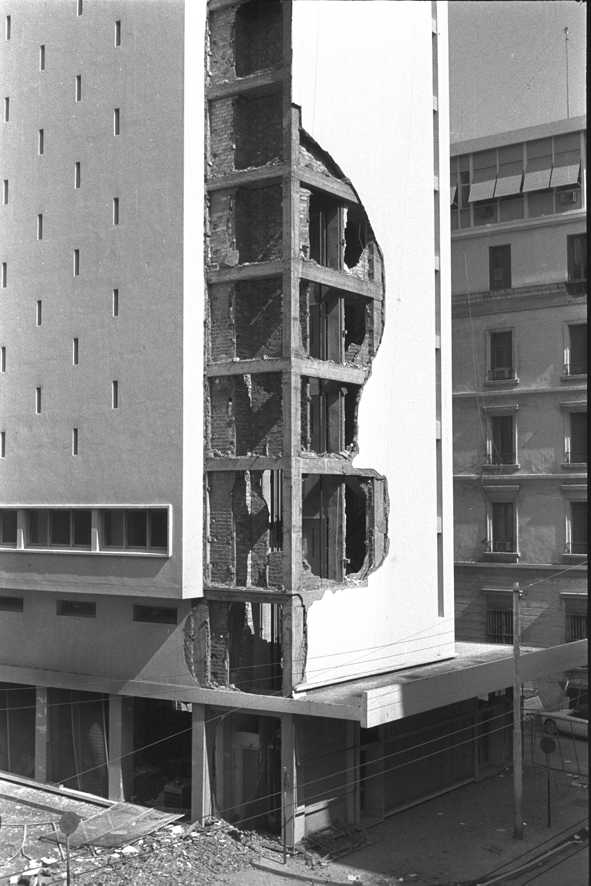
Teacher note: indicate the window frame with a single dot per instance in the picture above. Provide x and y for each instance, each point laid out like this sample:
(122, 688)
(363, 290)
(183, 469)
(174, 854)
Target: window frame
(503, 249)
(511, 378)
(568, 409)
(500, 494)
(573, 493)
(568, 371)
(571, 247)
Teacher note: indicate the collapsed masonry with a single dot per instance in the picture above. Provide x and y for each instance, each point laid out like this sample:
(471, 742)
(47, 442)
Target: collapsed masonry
(295, 296)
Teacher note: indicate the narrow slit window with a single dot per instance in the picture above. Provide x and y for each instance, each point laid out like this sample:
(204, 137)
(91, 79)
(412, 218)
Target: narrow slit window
(6, 109)
(115, 303)
(5, 191)
(40, 226)
(74, 441)
(79, 5)
(7, 27)
(156, 614)
(4, 275)
(38, 313)
(115, 394)
(116, 122)
(38, 401)
(3, 358)
(41, 142)
(75, 608)
(118, 32)
(2, 444)
(115, 210)
(75, 351)
(76, 262)
(11, 604)
(42, 57)
(78, 88)
(77, 174)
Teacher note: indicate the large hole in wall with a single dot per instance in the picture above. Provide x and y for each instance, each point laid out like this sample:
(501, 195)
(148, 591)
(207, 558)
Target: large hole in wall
(255, 646)
(334, 324)
(257, 36)
(356, 535)
(325, 231)
(357, 235)
(258, 133)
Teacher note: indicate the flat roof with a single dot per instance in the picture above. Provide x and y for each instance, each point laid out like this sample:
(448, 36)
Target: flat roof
(511, 137)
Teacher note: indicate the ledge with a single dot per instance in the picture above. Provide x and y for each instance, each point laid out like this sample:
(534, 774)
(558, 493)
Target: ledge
(246, 176)
(575, 558)
(309, 270)
(246, 271)
(509, 468)
(246, 367)
(500, 557)
(334, 186)
(86, 552)
(252, 83)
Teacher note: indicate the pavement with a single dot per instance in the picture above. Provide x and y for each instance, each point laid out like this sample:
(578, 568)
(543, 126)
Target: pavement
(459, 838)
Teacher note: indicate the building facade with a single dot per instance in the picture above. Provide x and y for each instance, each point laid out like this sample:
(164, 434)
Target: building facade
(519, 279)
(222, 586)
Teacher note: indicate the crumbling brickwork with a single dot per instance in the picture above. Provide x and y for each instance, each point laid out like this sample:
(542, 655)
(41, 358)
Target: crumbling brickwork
(221, 136)
(257, 37)
(258, 223)
(220, 326)
(220, 50)
(222, 241)
(221, 528)
(219, 643)
(257, 313)
(246, 415)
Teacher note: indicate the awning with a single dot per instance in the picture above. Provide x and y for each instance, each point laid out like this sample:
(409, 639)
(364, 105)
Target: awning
(565, 175)
(452, 193)
(481, 191)
(536, 181)
(509, 184)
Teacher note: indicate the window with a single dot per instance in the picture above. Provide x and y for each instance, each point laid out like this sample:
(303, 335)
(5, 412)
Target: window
(2, 444)
(11, 604)
(115, 303)
(74, 441)
(3, 358)
(4, 275)
(5, 191)
(500, 267)
(115, 394)
(118, 33)
(116, 122)
(579, 542)
(75, 352)
(501, 356)
(503, 527)
(58, 527)
(76, 262)
(41, 141)
(78, 7)
(575, 625)
(75, 608)
(272, 491)
(6, 109)
(499, 624)
(38, 400)
(42, 57)
(78, 88)
(576, 452)
(156, 614)
(38, 313)
(8, 519)
(326, 231)
(137, 528)
(575, 357)
(502, 440)
(115, 210)
(40, 226)
(576, 249)
(77, 174)
(7, 27)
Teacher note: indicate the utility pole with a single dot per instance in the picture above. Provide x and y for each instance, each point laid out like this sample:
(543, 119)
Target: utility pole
(517, 740)
(565, 32)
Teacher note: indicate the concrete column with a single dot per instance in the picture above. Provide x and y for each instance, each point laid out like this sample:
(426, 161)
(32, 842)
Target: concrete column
(200, 776)
(352, 776)
(120, 762)
(41, 733)
(293, 821)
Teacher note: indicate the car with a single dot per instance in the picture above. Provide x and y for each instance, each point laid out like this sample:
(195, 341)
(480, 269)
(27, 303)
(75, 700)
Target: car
(571, 721)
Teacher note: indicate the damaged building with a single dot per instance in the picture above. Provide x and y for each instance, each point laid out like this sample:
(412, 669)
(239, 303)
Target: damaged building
(226, 564)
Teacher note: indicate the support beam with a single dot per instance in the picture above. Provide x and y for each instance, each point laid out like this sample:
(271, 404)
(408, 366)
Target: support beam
(200, 774)
(352, 743)
(120, 761)
(41, 736)
(293, 821)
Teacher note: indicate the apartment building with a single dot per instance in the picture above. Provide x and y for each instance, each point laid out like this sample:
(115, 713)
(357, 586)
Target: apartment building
(222, 586)
(519, 281)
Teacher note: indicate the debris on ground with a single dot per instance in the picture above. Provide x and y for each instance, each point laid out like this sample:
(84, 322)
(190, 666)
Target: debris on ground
(337, 840)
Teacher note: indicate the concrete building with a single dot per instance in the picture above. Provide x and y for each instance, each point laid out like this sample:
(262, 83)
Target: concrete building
(519, 280)
(222, 585)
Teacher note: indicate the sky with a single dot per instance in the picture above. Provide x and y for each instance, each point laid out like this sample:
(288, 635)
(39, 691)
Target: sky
(507, 64)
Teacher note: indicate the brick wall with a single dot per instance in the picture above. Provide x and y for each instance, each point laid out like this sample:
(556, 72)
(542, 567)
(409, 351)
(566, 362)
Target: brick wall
(222, 437)
(221, 136)
(221, 44)
(222, 242)
(257, 317)
(258, 130)
(219, 643)
(220, 326)
(310, 158)
(246, 415)
(304, 222)
(221, 527)
(258, 223)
